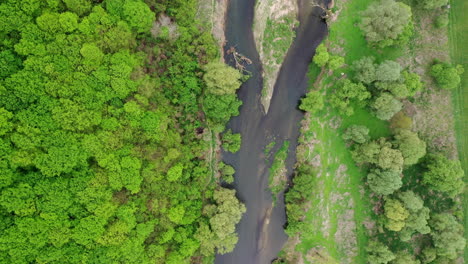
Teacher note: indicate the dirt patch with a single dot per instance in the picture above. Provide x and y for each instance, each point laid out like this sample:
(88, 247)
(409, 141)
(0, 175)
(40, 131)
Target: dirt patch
(319, 255)
(345, 236)
(293, 256)
(164, 21)
(433, 118)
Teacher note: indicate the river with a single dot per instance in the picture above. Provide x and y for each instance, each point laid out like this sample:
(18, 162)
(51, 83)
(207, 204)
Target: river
(261, 233)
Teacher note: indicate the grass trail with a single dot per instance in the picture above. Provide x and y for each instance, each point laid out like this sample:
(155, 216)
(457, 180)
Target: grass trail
(458, 49)
(340, 201)
(340, 206)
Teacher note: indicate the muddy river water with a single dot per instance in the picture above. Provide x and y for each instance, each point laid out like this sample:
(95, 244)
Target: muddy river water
(261, 233)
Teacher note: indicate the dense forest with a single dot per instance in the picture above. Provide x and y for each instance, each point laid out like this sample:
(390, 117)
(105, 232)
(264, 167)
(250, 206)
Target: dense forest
(109, 126)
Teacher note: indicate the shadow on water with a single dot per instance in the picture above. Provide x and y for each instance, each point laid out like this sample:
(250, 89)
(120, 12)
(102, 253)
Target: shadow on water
(261, 234)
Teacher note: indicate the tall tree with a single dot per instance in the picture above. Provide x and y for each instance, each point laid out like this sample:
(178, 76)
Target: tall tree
(386, 106)
(384, 182)
(444, 175)
(411, 146)
(386, 23)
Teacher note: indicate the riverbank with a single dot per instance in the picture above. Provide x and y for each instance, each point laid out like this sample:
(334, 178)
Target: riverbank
(212, 15)
(340, 200)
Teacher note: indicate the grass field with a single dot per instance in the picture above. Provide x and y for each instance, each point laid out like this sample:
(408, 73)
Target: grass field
(340, 205)
(458, 47)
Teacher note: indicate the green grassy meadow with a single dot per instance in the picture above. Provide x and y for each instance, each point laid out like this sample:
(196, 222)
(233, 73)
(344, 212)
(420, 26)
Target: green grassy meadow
(338, 191)
(458, 43)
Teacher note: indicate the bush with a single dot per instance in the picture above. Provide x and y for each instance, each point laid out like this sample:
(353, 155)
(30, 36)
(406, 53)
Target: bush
(321, 55)
(312, 103)
(442, 20)
(231, 142)
(446, 75)
(356, 133)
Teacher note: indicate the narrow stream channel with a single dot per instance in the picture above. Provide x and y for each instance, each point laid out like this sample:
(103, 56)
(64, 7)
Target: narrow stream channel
(261, 234)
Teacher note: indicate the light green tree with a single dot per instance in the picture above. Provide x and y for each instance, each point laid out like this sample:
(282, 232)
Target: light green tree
(388, 71)
(221, 79)
(390, 159)
(444, 175)
(335, 62)
(395, 214)
(138, 15)
(312, 102)
(321, 55)
(447, 76)
(364, 69)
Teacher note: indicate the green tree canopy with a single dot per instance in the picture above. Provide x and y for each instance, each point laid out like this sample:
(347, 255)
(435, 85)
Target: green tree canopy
(447, 235)
(227, 172)
(221, 79)
(432, 4)
(223, 222)
(378, 253)
(403, 257)
(384, 23)
(446, 75)
(138, 15)
(384, 182)
(347, 92)
(411, 146)
(386, 106)
(364, 69)
(444, 175)
(395, 214)
(335, 62)
(231, 142)
(357, 133)
(321, 56)
(412, 82)
(312, 102)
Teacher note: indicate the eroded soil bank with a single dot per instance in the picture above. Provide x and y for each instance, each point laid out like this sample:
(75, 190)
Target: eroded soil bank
(261, 233)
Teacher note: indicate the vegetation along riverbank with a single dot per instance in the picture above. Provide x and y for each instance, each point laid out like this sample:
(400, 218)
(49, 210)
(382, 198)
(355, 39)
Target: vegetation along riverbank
(378, 177)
